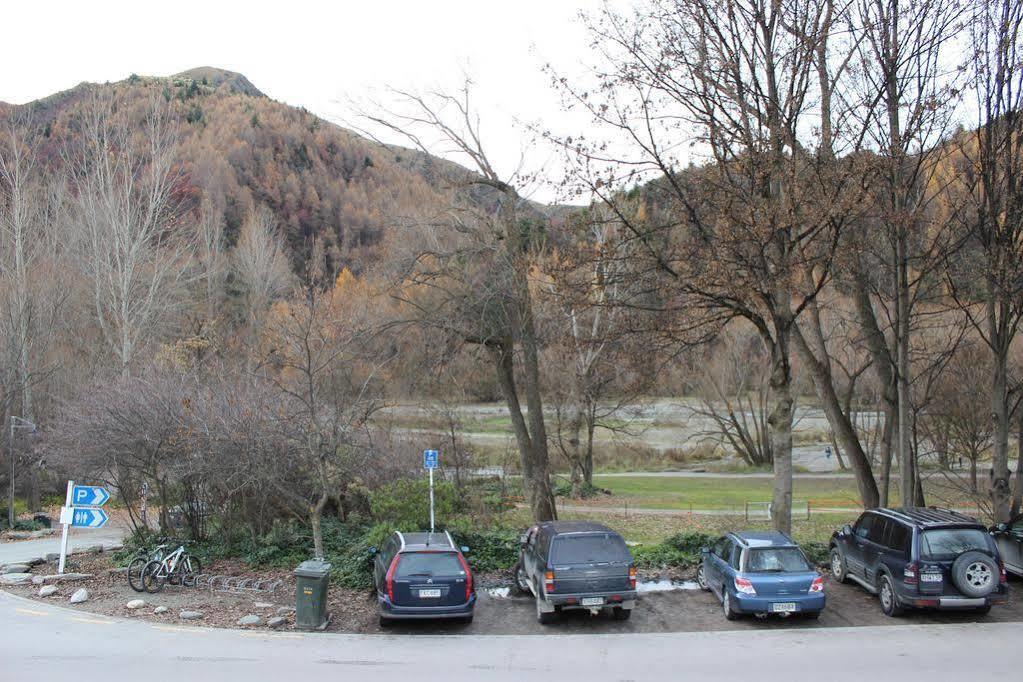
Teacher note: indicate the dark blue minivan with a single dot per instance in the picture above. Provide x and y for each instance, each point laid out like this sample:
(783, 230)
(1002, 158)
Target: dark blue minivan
(761, 573)
(423, 575)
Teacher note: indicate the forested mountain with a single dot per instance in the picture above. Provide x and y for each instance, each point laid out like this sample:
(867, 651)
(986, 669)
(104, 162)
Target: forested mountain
(240, 150)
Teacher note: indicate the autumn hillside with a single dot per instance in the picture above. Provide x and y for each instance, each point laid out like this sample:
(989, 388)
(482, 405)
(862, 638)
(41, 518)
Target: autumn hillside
(240, 149)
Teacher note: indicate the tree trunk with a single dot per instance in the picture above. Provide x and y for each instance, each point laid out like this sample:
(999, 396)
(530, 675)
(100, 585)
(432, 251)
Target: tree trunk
(907, 465)
(839, 420)
(1017, 490)
(973, 473)
(1001, 494)
(315, 521)
(780, 422)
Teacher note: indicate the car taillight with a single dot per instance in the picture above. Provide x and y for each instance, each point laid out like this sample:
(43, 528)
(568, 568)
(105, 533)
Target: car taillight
(1004, 579)
(817, 585)
(632, 577)
(548, 581)
(911, 574)
(389, 579)
(745, 586)
(468, 577)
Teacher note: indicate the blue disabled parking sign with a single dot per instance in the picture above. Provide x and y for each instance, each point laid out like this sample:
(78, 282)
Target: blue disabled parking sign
(430, 458)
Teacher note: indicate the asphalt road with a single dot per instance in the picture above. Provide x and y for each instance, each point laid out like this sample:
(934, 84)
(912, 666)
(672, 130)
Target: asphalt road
(79, 540)
(40, 639)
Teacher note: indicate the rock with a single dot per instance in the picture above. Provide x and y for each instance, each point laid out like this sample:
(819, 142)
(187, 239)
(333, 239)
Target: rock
(263, 605)
(160, 609)
(80, 595)
(47, 590)
(250, 620)
(135, 604)
(190, 615)
(52, 556)
(18, 535)
(15, 578)
(285, 610)
(66, 577)
(37, 579)
(36, 561)
(95, 549)
(276, 622)
(14, 568)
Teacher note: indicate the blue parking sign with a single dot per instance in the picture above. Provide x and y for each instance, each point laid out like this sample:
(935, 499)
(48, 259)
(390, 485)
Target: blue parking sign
(430, 459)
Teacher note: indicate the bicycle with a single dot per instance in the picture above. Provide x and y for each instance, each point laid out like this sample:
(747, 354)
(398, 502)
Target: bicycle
(174, 567)
(140, 560)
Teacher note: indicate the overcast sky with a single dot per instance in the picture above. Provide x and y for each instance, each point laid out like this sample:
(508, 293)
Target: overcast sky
(313, 54)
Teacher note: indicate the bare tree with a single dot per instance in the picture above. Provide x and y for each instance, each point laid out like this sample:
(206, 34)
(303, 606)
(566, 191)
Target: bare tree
(261, 267)
(124, 178)
(470, 279)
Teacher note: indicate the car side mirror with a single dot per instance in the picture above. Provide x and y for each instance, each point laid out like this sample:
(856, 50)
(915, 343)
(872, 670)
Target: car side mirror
(1001, 527)
(847, 529)
(465, 550)
(705, 550)
(373, 550)
(523, 538)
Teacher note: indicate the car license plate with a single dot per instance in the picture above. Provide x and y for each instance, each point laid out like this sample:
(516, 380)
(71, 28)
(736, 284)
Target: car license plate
(930, 577)
(783, 607)
(592, 601)
(429, 594)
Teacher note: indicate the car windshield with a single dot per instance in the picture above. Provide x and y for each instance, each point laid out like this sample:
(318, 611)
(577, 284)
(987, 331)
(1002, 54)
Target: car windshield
(948, 543)
(776, 560)
(428, 564)
(589, 549)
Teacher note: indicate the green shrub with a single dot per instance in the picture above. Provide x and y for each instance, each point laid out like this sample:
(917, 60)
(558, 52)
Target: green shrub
(406, 502)
(586, 491)
(678, 551)
(489, 550)
(816, 552)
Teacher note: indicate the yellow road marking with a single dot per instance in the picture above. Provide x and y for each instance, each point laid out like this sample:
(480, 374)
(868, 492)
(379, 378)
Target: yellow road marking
(30, 612)
(92, 620)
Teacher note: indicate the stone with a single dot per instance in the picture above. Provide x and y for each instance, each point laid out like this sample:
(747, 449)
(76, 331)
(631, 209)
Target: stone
(135, 604)
(95, 549)
(14, 568)
(276, 622)
(160, 609)
(47, 590)
(36, 561)
(15, 578)
(250, 620)
(190, 615)
(80, 595)
(52, 556)
(66, 577)
(263, 605)
(37, 579)
(285, 610)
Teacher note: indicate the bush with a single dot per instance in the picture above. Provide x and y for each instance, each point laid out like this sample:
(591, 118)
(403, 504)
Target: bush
(489, 550)
(678, 551)
(816, 552)
(405, 503)
(587, 490)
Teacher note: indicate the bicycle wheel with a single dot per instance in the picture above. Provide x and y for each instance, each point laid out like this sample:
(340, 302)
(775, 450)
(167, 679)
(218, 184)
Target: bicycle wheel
(190, 565)
(153, 577)
(135, 568)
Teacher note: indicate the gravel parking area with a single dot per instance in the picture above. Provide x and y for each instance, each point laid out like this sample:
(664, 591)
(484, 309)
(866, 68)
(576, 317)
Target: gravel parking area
(679, 610)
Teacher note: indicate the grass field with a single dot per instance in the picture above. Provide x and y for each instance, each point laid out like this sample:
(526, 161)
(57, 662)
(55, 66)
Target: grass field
(732, 493)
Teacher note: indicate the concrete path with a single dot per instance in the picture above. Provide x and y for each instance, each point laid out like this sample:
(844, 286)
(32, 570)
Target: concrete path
(22, 550)
(41, 639)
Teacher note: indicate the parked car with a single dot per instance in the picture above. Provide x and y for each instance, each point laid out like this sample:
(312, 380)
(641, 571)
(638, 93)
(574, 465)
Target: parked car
(423, 575)
(761, 573)
(576, 565)
(1009, 540)
(920, 557)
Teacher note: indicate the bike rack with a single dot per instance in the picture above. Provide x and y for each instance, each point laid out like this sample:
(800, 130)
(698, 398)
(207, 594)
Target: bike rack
(232, 584)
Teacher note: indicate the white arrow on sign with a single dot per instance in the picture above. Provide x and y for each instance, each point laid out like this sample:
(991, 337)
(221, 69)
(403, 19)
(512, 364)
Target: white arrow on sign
(88, 518)
(89, 496)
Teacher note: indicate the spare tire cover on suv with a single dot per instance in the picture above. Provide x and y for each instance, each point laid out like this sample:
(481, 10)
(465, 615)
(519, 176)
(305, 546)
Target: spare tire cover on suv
(975, 574)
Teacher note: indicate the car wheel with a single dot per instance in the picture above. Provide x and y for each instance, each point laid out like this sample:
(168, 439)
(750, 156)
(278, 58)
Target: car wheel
(812, 615)
(701, 579)
(521, 582)
(544, 617)
(838, 569)
(726, 605)
(618, 613)
(889, 600)
(467, 620)
(386, 622)
(975, 574)
(983, 610)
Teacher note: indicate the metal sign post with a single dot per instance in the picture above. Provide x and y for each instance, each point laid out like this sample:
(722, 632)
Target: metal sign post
(430, 459)
(66, 522)
(81, 509)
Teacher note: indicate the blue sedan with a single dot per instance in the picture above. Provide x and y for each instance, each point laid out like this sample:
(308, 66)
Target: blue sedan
(761, 573)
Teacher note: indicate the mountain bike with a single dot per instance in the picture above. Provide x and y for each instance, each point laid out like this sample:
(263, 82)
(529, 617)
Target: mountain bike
(174, 567)
(139, 561)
